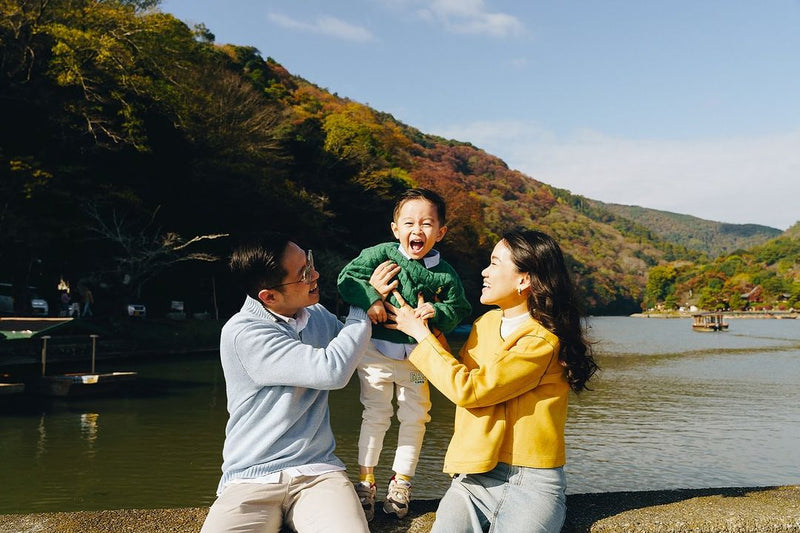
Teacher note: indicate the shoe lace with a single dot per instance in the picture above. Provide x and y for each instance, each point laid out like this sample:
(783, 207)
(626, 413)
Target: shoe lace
(399, 490)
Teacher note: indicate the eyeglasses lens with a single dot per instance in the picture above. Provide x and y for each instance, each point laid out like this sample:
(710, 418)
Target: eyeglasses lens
(306, 277)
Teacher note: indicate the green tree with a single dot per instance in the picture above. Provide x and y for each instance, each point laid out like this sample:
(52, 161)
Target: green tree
(121, 59)
(711, 299)
(660, 284)
(731, 265)
(736, 302)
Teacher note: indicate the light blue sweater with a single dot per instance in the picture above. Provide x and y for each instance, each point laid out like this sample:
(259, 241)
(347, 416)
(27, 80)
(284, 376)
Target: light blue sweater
(277, 384)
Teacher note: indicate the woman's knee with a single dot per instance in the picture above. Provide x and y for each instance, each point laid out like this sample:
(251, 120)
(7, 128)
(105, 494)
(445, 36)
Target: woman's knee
(457, 512)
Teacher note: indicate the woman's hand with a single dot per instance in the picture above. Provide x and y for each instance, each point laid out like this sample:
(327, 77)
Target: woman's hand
(405, 319)
(381, 278)
(425, 310)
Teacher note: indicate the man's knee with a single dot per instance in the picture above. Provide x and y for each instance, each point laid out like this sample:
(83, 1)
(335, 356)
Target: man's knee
(328, 504)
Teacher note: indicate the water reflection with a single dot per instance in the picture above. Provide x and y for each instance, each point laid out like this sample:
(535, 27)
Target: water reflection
(42, 440)
(672, 408)
(89, 430)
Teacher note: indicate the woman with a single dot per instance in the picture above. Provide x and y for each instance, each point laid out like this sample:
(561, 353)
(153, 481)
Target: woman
(510, 386)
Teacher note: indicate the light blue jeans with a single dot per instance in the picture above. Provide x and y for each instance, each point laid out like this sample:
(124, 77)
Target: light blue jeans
(507, 499)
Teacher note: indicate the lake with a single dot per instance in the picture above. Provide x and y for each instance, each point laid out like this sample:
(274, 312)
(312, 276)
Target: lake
(672, 408)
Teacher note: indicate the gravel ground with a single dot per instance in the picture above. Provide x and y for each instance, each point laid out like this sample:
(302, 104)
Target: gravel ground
(757, 509)
(735, 510)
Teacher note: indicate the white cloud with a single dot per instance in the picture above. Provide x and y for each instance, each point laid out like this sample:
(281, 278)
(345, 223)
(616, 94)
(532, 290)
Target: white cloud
(325, 25)
(737, 180)
(470, 16)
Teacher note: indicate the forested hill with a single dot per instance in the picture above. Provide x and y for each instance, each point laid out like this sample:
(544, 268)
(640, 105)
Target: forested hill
(709, 237)
(125, 134)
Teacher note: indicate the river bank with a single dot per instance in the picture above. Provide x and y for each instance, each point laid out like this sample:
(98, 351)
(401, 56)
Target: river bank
(740, 509)
(769, 315)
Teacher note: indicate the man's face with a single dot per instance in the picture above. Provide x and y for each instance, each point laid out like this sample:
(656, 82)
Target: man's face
(293, 294)
(417, 227)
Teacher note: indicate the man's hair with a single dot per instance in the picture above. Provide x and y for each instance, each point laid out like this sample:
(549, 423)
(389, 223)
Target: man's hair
(256, 263)
(422, 194)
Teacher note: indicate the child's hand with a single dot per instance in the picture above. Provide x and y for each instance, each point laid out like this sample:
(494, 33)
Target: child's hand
(381, 279)
(376, 312)
(425, 311)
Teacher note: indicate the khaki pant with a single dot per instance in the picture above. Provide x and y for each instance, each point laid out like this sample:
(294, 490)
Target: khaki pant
(325, 503)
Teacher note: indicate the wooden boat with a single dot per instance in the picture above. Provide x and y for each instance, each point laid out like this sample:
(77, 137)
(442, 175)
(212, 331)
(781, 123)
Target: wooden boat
(709, 322)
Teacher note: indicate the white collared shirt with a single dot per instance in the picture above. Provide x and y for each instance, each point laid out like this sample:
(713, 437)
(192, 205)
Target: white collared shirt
(430, 260)
(298, 322)
(315, 469)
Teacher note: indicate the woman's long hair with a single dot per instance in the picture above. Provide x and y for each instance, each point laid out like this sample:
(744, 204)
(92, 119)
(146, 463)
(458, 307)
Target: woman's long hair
(552, 300)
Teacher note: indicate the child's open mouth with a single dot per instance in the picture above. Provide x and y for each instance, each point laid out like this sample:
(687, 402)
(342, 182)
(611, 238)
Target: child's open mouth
(416, 245)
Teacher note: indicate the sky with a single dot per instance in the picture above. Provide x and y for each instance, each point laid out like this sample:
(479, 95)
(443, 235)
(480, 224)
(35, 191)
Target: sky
(688, 106)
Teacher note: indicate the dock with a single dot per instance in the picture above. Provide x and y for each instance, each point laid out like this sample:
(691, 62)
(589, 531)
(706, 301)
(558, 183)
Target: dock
(26, 333)
(77, 384)
(7, 389)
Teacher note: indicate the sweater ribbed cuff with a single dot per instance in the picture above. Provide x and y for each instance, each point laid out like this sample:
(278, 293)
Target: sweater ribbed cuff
(356, 314)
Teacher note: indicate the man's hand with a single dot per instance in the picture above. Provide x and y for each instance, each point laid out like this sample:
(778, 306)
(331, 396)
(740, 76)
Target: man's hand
(376, 312)
(381, 278)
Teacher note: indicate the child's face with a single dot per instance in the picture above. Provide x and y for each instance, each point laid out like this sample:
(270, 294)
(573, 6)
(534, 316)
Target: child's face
(417, 227)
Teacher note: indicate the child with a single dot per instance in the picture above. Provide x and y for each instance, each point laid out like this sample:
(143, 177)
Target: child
(419, 223)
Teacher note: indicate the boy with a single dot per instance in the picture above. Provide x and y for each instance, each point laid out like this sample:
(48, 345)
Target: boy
(419, 223)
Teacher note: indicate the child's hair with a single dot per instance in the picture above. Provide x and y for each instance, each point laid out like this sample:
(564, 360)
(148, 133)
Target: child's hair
(552, 300)
(256, 263)
(422, 194)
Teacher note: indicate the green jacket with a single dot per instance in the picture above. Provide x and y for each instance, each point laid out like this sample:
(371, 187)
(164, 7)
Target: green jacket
(439, 285)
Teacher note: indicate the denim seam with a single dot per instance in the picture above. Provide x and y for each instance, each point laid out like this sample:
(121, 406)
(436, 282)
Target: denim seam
(509, 480)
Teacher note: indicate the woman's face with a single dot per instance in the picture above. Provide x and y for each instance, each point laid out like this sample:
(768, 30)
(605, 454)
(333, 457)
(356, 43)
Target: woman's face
(501, 279)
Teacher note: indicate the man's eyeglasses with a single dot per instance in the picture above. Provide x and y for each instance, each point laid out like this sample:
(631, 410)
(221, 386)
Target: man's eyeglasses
(305, 276)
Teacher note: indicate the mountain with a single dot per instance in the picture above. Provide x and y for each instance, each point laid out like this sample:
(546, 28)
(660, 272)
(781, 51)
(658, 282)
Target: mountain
(135, 152)
(709, 237)
(763, 277)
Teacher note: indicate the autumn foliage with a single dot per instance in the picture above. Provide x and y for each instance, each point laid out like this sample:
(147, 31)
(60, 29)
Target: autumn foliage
(112, 108)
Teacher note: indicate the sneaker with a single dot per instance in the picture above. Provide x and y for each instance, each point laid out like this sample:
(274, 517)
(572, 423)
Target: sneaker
(398, 497)
(366, 494)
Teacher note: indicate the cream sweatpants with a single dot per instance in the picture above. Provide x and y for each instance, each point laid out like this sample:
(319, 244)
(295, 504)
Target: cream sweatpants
(381, 378)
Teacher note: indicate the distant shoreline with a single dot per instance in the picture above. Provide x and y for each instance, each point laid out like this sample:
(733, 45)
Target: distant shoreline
(725, 314)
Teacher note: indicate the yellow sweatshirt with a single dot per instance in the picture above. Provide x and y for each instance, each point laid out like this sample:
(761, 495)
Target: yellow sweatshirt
(510, 396)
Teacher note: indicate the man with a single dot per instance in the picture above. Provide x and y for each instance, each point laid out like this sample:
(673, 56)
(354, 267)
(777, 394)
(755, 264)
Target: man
(281, 354)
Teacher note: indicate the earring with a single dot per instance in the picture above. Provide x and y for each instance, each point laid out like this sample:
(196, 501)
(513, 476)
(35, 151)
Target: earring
(519, 291)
